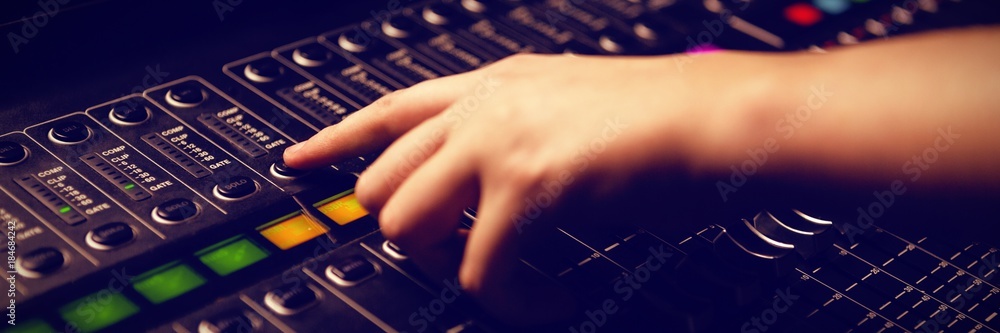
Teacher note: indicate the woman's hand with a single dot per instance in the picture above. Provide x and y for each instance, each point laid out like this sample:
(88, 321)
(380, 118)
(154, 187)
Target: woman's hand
(529, 132)
(533, 140)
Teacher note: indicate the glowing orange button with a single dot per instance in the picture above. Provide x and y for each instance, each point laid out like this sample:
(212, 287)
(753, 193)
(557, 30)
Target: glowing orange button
(293, 231)
(343, 210)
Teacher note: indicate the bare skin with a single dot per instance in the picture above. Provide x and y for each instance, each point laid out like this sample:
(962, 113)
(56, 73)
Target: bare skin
(493, 138)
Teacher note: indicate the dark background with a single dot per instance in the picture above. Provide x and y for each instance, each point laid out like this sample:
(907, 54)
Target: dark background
(94, 51)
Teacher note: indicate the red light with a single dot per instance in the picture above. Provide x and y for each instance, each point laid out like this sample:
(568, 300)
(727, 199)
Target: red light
(803, 14)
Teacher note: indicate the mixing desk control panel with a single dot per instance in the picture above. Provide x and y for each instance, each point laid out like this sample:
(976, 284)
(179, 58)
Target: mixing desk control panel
(170, 209)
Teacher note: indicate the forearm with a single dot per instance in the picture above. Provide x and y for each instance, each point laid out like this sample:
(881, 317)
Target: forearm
(862, 114)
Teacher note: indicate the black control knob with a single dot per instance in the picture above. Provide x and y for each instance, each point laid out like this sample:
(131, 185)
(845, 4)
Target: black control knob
(351, 270)
(351, 42)
(810, 235)
(125, 114)
(231, 322)
(284, 171)
(440, 14)
(617, 42)
(744, 247)
(69, 132)
(186, 95)
(312, 55)
(476, 6)
(648, 27)
(40, 262)
(290, 299)
(484, 6)
(12, 153)
(175, 211)
(399, 27)
(110, 236)
(354, 42)
(264, 70)
(235, 188)
(393, 250)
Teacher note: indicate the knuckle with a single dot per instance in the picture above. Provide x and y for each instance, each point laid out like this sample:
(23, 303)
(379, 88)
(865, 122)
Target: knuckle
(387, 102)
(327, 133)
(381, 112)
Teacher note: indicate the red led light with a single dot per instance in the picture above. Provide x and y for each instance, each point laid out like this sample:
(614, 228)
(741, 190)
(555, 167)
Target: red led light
(803, 14)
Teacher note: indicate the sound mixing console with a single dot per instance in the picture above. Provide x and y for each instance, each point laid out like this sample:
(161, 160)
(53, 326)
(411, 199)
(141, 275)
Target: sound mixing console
(169, 209)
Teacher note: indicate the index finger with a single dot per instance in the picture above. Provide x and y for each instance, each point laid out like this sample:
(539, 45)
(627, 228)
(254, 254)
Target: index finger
(375, 126)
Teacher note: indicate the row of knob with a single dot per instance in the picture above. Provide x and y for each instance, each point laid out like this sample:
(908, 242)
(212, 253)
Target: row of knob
(647, 27)
(289, 299)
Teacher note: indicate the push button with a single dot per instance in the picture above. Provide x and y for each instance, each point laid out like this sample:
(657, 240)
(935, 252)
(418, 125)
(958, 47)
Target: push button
(236, 188)
(352, 44)
(264, 70)
(439, 14)
(312, 55)
(12, 153)
(175, 211)
(186, 95)
(616, 42)
(40, 262)
(393, 250)
(399, 27)
(649, 28)
(110, 236)
(69, 132)
(476, 6)
(290, 299)
(234, 322)
(124, 114)
(281, 170)
(351, 271)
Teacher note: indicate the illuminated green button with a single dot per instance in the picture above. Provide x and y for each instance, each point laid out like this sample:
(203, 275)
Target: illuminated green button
(231, 255)
(31, 326)
(97, 311)
(166, 282)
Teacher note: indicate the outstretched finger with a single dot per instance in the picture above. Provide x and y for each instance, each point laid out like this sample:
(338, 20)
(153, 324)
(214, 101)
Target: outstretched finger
(375, 126)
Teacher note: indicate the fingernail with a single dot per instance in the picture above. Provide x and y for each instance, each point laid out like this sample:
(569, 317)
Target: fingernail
(294, 148)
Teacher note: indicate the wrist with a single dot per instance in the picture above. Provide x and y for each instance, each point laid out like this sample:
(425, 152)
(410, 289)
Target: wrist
(745, 121)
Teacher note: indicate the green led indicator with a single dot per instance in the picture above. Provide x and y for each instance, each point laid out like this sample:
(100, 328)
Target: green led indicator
(167, 282)
(65, 209)
(129, 186)
(98, 310)
(231, 255)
